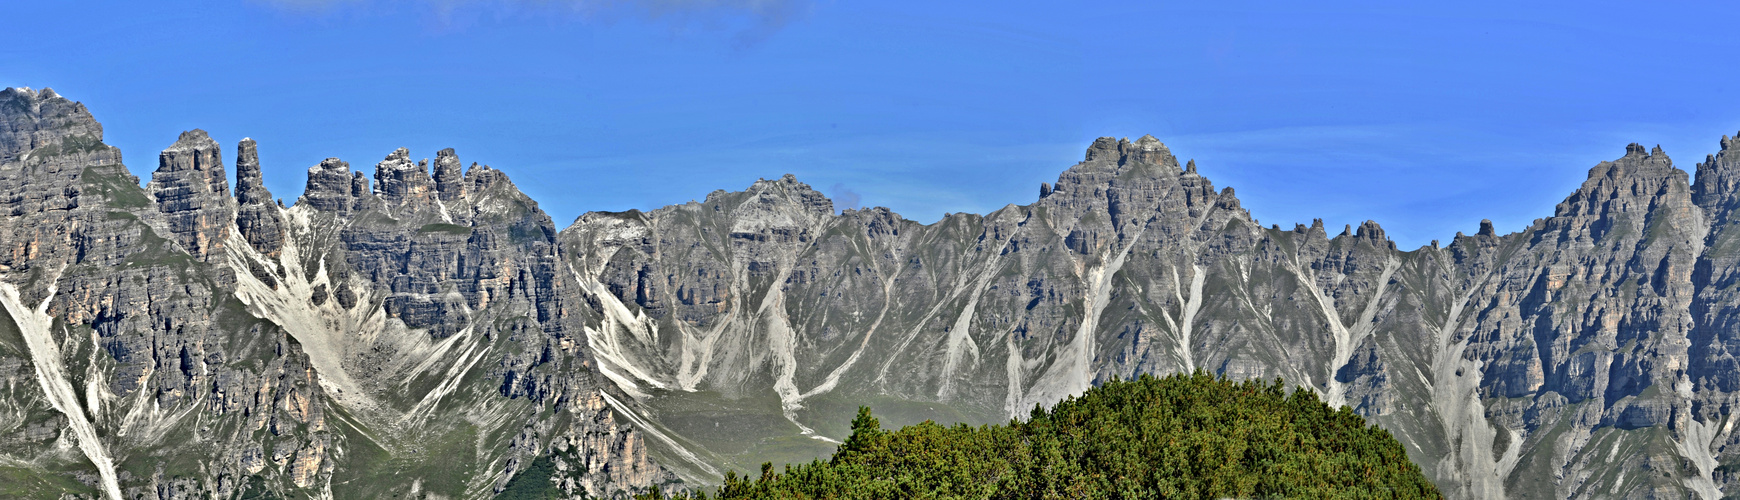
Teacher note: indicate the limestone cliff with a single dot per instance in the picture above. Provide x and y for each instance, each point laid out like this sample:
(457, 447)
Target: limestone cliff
(1583, 357)
(177, 342)
(423, 329)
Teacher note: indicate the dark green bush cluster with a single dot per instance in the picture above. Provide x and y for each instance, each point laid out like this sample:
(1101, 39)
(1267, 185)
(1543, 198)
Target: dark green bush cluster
(1182, 436)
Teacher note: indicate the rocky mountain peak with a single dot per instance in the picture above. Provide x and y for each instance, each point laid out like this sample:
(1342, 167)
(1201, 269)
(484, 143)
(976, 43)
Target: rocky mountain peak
(1634, 149)
(1103, 149)
(1145, 150)
(1228, 200)
(449, 178)
(399, 181)
(1372, 233)
(1718, 180)
(1315, 231)
(1640, 178)
(193, 194)
(257, 218)
(196, 152)
(250, 182)
(329, 187)
(192, 140)
(787, 188)
(31, 120)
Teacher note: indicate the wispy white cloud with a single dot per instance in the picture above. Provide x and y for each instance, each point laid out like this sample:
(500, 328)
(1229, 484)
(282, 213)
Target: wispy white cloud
(749, 21)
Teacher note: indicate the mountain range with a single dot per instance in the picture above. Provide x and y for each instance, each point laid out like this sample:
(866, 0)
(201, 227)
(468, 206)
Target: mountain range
(426, 331)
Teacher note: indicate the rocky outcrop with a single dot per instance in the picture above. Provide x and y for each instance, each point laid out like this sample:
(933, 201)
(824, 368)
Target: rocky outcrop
(191, 192)
(258, 219)
(119, 337)
(47, 125)
(175, 342)
(399, 182)
(449, 180)
(435, 319)
(457, 289)
(330, 188)
(1589, 344)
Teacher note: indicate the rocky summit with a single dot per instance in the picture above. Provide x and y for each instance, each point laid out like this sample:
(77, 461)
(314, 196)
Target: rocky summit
(424, 330)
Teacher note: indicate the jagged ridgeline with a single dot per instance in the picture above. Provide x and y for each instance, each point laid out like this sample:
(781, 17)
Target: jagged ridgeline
(411, 336)
(1182, 436)
(424, 329)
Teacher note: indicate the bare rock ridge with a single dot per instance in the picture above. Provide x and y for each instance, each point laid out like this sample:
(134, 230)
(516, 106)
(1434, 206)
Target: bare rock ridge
(1590, 344)
(192, 193)
(329, 187)
(425, 329)
(174, 341)
(258, 219)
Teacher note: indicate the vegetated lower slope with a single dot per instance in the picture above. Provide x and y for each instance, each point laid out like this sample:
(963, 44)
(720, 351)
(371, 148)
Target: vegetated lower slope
(1181, 436)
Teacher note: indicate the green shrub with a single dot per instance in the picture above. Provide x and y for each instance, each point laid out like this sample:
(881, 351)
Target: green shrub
(1182, 436)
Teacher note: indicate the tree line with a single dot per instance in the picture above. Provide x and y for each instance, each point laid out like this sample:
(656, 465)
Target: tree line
(1182, 436)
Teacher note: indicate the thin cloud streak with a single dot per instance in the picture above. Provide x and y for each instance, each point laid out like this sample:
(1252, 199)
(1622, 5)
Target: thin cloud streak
(752, 20)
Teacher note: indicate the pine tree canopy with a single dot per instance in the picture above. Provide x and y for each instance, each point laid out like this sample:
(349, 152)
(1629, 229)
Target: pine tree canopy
(1182, 436)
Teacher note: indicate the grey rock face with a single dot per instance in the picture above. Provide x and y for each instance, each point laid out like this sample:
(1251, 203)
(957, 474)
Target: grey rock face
(449, 180)
(116, 338)
(178, 343)
(174, 342)
(460, 295)
(193, 195)
(55, 126)
(329, 187)
(400, 182)
(1586, 346)
(258, 219)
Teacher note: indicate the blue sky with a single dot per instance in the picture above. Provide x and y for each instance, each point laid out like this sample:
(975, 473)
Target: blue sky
(1426, 118)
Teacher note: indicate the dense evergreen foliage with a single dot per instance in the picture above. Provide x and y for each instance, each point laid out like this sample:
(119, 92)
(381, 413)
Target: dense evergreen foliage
(1182, 436)
(533, 483)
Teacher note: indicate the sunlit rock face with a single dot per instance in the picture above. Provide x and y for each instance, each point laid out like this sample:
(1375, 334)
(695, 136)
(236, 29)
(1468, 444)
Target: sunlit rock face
(422, 328)
(178, 341)
(1583, 357)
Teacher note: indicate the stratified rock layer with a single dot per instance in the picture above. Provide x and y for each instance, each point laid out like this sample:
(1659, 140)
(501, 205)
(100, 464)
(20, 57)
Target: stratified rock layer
(192, 194)
(1554, 362)
(175, 342)
(258, 219)
(427, 331)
